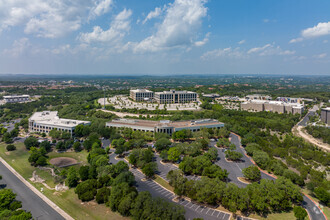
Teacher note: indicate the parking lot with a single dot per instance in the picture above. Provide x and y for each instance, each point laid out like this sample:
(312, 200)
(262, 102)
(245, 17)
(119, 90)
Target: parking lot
(121, 101)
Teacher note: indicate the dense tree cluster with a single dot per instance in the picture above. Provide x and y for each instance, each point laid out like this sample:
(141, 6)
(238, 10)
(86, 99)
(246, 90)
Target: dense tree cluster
(143, 158)
(10, 208)
(319, 132)
(113, 184)
(264, 197)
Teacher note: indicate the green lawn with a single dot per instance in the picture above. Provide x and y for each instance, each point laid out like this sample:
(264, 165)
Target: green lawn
(68, 200)
(163, 183)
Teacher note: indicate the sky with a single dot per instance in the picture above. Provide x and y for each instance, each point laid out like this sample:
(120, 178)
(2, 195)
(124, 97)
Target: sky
(165, 37)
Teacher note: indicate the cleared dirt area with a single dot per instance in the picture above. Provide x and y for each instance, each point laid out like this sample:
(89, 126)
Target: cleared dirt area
(300, 132)
(63, 161)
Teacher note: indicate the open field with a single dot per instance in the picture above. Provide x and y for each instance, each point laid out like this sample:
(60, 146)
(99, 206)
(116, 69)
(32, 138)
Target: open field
(68, 200)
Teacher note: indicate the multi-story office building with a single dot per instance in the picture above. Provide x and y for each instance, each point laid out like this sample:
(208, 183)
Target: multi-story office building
(173, 96)
(165, 126)
(258, 97)
(325, 115)
(46, 121)
(139, 95)
(272, 106)
(289, 100)
(16, 98)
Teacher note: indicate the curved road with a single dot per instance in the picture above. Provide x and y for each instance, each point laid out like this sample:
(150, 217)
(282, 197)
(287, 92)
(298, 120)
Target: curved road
(30, 201)
(313, 210)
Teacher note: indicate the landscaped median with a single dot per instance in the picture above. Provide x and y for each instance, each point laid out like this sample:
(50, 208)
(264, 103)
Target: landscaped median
(65, 200)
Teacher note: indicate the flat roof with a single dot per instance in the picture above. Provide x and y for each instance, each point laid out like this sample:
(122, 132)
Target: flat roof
(51, 118)
(174, 91)
(15, 96)
(274, 103)
(164, 123)
(140, 90)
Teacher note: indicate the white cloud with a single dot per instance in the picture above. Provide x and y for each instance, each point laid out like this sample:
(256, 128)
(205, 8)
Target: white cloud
(226, 52)
(241, 42)
(266, 50)
(265, 20)
(49, 18)
(117, 30)
(179, 28)
(321, 56)
(259, 49)
(204, 41)
(325, 41)
(153, 14)
(19, 47)
(319, 30)
(100, 8)
(295, 40)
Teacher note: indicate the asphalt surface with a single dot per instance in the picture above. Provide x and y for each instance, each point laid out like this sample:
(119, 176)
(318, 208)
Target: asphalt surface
(30, 201)
(313, 210)
(193, 210)
(306, 118)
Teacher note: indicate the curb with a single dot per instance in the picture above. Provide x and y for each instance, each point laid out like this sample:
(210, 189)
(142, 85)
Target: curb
(37, 192)
(265, 172)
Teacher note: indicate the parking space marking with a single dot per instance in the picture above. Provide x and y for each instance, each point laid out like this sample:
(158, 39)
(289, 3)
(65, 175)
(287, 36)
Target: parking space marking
(208, 210)
(213, 212)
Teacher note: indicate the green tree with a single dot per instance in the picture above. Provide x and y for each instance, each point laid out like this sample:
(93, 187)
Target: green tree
(323, 195)
(73, 178)
(261, 158)
(55, 134)
(252, 173)
(299, 212)
(162, 144)
(31, 142)
(149, 169)
(233, 155)
(11, 147)
(77, 146)
(84, 172)
(173, 154)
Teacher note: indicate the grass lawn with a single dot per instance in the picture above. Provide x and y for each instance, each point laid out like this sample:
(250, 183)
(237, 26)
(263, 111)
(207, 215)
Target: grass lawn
(163, 183)
(68, 200)
(276, 216)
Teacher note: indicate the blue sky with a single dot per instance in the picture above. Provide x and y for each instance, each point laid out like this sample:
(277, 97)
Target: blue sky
(165, 37)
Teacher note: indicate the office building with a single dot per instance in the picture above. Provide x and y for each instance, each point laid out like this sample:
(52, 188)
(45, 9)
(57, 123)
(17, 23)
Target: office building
(16, 98)
(325, 115)
(272, 106)
(258, 97)
(289, 100)
(212, 95)
(140, 95)
(173, 96)
(164, 126)
(46, 121)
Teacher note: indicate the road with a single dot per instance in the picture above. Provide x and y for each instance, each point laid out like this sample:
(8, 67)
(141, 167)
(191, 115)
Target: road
(193, 210)
(30, 201)
(313, 210)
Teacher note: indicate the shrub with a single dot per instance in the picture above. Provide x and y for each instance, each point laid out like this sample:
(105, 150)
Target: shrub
(11, 147)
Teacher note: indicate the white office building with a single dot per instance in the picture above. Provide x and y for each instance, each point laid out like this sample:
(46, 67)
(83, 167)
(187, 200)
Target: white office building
(173, 96)
(16, 98)
(46, 121)
(139, 95)
(164, 126)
